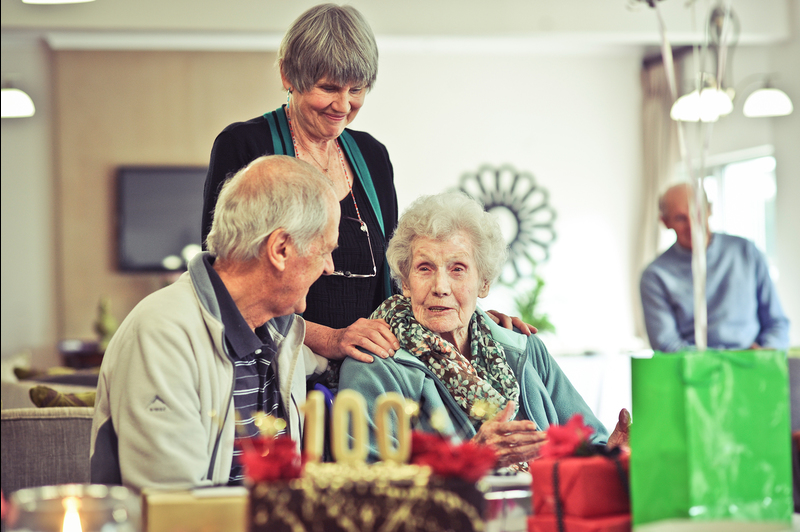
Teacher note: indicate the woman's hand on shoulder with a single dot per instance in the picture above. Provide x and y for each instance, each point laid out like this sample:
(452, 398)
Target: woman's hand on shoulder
(508, 322)
(514, 441)
(373, 336)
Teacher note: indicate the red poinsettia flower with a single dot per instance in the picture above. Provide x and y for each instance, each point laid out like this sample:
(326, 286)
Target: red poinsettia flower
(469, 461)
(266, 459)
(571, 439)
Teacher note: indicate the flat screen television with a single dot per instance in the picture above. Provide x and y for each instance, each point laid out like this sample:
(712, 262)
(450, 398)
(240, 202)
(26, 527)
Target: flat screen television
(159, 215)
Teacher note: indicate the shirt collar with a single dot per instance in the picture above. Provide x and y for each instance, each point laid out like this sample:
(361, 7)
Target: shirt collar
(688, 252)
(238, 333)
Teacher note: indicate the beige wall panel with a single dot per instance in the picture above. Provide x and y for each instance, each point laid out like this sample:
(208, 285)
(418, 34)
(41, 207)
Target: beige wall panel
(135, 108)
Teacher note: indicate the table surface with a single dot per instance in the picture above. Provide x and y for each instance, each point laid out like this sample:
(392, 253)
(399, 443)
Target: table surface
(685, 525)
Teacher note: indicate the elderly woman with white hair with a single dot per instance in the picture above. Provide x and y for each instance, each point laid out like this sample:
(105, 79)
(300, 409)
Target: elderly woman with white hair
(445, 254)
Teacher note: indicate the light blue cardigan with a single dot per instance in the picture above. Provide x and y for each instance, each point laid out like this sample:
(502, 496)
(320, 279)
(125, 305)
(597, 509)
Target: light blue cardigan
(546, 395)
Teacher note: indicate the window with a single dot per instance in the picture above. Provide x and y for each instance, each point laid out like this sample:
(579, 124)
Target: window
(742, 195)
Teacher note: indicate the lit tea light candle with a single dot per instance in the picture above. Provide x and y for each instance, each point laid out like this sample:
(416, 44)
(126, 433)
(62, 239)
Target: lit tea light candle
(75, 508)
(72, 519)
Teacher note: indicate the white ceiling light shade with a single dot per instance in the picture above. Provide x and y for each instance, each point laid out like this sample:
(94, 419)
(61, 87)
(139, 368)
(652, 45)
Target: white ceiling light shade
(16, 104)
(705, 106)
(55, 1)
(767, 102)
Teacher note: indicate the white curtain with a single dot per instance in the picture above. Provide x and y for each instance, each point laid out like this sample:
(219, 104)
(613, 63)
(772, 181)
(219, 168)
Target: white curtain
(661, 154)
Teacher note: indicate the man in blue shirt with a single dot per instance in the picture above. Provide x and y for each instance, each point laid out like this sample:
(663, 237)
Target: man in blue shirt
(744, 311)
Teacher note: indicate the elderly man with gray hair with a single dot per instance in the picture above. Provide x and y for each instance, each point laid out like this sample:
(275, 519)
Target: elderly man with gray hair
(193, 362)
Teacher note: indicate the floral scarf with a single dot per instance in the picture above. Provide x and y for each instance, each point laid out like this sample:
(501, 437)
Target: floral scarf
(486, 380)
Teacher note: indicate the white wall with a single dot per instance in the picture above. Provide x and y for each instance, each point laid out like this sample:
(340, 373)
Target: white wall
(572, 121)
(785, 59)
(28, 278)
(443, 114)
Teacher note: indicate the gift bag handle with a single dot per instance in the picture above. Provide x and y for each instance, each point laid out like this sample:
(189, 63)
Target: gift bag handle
(729, 357)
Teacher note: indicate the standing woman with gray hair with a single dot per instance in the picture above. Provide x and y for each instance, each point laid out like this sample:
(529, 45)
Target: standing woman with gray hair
(328, 61)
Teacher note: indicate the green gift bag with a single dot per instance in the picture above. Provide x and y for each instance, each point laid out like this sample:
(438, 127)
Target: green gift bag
(711, 437)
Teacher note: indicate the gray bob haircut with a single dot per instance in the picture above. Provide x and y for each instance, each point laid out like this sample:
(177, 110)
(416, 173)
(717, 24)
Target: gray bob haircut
(440, 217)
(272, 192)
(329, 41)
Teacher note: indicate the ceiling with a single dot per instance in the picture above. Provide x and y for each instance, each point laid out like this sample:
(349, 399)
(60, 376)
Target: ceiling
(458, 25)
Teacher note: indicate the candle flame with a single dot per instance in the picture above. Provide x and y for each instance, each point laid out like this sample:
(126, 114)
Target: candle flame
(72, 520)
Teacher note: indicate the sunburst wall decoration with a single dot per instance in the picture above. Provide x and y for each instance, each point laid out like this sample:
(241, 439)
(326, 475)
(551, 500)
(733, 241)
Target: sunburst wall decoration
(523, 209)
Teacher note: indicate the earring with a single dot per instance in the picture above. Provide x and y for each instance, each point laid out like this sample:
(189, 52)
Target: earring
(288, 95)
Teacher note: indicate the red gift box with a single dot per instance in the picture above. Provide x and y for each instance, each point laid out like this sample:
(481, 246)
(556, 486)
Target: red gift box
(548, 523)
(588, 486)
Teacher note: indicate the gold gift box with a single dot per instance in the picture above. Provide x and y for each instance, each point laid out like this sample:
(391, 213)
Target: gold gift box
(216, 509)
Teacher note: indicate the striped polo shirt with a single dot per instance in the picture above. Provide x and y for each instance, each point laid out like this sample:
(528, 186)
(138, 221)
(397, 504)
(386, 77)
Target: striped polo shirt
(255, 370)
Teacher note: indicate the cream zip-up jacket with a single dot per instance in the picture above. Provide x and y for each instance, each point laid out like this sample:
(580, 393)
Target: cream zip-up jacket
(164, 414)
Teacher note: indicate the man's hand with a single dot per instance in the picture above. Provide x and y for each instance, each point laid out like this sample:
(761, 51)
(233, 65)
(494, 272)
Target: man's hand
(507, 322)
(619, 438)
(514, 441)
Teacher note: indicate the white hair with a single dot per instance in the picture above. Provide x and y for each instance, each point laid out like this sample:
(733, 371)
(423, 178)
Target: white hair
(440, 217)
(272, 192)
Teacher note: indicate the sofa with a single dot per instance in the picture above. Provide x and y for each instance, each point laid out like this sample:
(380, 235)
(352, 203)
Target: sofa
(42, 446)
(45, 446)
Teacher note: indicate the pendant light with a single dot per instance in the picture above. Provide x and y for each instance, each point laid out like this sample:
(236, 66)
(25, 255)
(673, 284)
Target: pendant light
(705, 105)
(55, 1)
(16, 103)
(767, 101)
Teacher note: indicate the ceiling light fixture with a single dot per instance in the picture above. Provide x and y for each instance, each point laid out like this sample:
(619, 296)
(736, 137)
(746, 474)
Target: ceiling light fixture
(705, 105)
(16, 103)
(767, 101)
(714, 98)
(55, 1)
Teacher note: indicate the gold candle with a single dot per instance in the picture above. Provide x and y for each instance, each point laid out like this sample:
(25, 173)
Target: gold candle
(314, 429)
(387, 403)
(350, 406)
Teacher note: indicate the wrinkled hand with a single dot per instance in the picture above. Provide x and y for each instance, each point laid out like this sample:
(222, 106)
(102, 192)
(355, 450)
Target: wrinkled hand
(508, 322)
(619, 438)
(514, 441)
(374, 336)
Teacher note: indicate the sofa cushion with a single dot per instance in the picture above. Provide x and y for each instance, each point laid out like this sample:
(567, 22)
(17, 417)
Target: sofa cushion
(44, 396)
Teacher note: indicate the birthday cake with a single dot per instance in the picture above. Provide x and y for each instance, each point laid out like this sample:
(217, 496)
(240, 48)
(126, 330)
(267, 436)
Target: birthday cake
(366, 498)
(437, 491)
